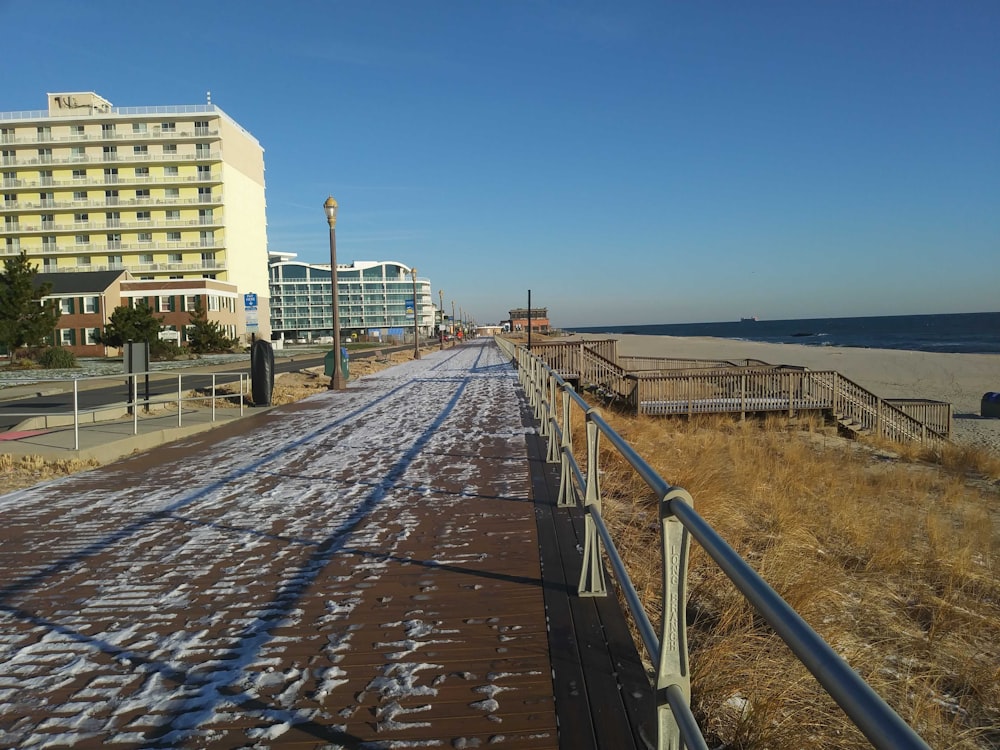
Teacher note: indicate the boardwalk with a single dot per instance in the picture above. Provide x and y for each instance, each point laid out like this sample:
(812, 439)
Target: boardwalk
(360, 569)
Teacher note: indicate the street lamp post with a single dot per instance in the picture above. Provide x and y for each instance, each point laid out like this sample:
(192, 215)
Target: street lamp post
(416, 338)
(441, 307)
(337, 381)
(453, 317)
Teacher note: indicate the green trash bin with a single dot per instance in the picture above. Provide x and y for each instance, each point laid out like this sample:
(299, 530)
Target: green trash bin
(328, 363)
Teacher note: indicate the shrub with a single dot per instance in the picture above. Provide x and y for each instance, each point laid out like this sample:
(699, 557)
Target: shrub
(55, 358)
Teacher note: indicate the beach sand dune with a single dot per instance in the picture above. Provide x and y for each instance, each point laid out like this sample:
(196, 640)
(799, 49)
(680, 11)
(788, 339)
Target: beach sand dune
(959, 379)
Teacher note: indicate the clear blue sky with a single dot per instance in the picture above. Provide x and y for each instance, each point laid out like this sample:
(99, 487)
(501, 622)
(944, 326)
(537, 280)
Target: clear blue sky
(634, 162)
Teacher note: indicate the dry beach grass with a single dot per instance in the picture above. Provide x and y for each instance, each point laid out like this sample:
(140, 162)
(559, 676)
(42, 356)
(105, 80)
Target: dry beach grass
(893, 559)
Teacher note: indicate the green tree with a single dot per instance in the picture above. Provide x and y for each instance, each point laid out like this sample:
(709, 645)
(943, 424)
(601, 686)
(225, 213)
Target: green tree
(132, 324)
(24, 318)
(206, 335)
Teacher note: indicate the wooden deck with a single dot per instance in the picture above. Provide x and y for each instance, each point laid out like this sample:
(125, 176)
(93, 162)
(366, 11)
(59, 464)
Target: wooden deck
(372, 568)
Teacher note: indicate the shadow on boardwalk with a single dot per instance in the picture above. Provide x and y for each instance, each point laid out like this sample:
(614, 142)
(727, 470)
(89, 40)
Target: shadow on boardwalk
(355, 570)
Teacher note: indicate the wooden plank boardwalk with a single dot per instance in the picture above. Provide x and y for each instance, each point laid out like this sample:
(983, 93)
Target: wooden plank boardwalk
(375, 568)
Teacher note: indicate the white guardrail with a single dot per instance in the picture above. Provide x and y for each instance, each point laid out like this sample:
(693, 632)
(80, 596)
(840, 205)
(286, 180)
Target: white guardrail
(553, 399)
(134, 403)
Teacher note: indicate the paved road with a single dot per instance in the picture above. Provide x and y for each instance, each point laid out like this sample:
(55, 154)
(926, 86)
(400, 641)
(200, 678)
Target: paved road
(357, 569)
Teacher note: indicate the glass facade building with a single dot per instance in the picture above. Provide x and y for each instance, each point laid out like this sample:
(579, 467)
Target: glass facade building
(375, 300)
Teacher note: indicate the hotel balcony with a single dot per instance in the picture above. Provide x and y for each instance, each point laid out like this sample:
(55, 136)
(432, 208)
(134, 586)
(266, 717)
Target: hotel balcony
(109, 158)
(136, 268)
(101, 180)
(37, 205)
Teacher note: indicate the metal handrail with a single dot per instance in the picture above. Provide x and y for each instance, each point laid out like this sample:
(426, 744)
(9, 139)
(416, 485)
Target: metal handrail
(135, 402)
(679, 522)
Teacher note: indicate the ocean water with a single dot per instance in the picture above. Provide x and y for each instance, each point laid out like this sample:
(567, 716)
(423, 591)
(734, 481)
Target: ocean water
(961, 332)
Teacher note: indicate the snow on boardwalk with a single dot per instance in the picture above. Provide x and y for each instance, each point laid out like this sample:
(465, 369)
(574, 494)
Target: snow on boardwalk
(359, 569)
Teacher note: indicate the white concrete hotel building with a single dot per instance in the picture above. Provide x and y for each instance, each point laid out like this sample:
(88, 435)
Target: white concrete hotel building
(164, 193)
(375, 300)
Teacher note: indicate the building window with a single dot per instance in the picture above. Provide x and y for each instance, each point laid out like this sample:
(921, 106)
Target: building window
(201, 127)
(114, 241)
(83, 239)
(79, 195)
(165, 304)
(45, 155)
(79, 174)
(213, 303)
(142, 193)
(49, 243)
(108, 129)
(171, 171)
(115, 261)
(91, 304)
(111, 175)
(170, 148)
(175, 257)
(168, 127)
(81, 218)
(191, 302)
(146, 258)
(66, 305)
(90, 336)
(78, 153)
(140, 150)
(173, 193)
(110, 153)
(48, 221)
(145, 236)
(138, 127)
(111, 197)
(76, 129)
(173, 236)
(83, 260)
(173, 214)
(142, 171)
(44, 133)
(143, 215)
(112, 219)
(67, 337)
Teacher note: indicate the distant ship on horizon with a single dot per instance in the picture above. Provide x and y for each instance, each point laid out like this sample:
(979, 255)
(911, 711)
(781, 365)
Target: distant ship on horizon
(751, 319)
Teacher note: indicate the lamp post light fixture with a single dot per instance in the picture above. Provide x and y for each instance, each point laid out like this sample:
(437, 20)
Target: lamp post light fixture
(337, 381)
(441, 307)
(416, 338)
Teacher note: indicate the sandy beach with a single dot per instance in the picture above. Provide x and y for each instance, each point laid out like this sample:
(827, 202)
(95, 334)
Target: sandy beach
(960, 379)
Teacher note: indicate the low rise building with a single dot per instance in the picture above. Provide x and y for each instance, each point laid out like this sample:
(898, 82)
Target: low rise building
(86, 301)
(519, 317)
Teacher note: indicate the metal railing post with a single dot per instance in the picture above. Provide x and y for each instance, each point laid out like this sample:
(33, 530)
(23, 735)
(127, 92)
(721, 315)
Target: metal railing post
(76, 415)
(242, 391)
(567, 497)
(673, 671)
(178, 399)
(135, 406)
(592, 581)
(213, 396)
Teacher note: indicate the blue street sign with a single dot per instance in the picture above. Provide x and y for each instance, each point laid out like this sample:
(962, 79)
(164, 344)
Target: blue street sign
(250, 300)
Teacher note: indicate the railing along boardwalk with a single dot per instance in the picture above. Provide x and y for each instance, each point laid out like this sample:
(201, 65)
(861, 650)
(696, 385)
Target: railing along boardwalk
(378, 567)
(554, 401)
(662, 386)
